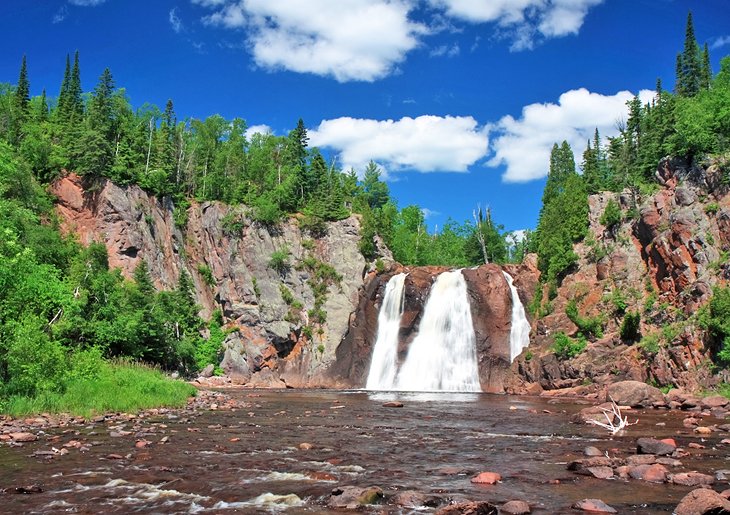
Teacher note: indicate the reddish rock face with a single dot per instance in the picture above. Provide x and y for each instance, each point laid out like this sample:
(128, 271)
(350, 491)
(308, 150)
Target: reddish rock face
(491, 311)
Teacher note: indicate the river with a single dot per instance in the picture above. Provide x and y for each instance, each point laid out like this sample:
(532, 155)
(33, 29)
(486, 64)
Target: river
(287, 450)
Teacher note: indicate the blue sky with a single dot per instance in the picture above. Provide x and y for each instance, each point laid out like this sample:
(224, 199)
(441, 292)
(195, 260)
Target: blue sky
(459, 101)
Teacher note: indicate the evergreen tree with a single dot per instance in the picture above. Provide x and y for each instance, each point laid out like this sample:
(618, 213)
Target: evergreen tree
(706, 70)
(21, 103)
(63, 96)
(689, 65)
(75, 102)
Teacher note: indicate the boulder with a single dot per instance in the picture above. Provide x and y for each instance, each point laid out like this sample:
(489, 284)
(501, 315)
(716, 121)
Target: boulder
(593, 506)
(654, 446)
(515, 508)
(352, 497)
(652, 473)
(634, 394)
(692, 479)
(703, 501)
(486, 478)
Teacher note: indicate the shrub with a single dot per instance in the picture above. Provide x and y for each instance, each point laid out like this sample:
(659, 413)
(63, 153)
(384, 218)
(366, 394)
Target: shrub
(619, 301)
(711, 208)
(630, 326)
(233, 223)
(279, 261)
(588, 326)
(611, 215)
(650, 343)
(206, 274)
(566, 347)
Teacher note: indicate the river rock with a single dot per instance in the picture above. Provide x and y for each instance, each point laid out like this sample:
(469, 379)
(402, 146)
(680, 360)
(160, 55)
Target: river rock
(654, 446)
(413, 499)
(703, 501)
(715, 401)
(652, 473)
(589, 466)
(592, 451)
(691, 479)
(515, 508)
(23, 437)
(593, 506)
(641, 459)
(469, 508)
(351, 497)
(635, 394)
(486, 478)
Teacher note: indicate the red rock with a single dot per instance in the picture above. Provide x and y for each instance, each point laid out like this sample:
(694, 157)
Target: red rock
(486, 478)
(634, 393)
(703, 430)
(322, 476)
(393, 404)
(234, 439)
(305, 446)
(114, 457)
(669, 441)
(23, 437)
(641, 459)
(715, 401)
(515, 508)
(139, 444)
(600, 472)
(692, 479)
(652, 473)
(703, 501)
(593, 506)
(695, 445)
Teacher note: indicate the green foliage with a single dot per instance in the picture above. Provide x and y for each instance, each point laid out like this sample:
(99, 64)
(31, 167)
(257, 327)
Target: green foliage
(650, 343)
(589, 327)
(279, 261)
(121, 386)
(208, 351)
(711, 208)
(630, 326)
(611, 215)
(566, 347)
(717, 322)
(618, 299)
(206, 274)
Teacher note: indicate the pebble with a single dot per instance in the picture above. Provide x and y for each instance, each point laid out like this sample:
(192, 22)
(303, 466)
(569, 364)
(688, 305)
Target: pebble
(486, 478)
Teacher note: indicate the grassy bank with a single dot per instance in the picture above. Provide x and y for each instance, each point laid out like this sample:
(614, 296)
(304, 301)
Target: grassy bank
(116, 386)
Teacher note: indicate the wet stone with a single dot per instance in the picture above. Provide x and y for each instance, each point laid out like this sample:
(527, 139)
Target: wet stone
(592, 451)
(515, 508)
(653, 446)
(703, 501)
(486, 478)
(692, 479)
(593, 506)
(469, 508)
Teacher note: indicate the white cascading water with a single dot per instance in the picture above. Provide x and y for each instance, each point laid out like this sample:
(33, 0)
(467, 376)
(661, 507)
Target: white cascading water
(383, 364)
(442, 357)
(520, 332)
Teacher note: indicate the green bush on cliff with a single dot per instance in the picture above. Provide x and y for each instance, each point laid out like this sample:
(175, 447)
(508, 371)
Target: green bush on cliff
(716, 320)
(566, 347)
(589, 327)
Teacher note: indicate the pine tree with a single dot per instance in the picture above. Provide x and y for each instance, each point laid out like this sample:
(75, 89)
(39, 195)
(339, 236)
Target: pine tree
(75, 102)
(42, 113)
(22, 92)
(706, 70)
(63, 96)
(689, 63)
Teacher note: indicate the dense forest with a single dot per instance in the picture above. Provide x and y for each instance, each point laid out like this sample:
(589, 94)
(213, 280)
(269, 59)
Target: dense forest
(63, 311)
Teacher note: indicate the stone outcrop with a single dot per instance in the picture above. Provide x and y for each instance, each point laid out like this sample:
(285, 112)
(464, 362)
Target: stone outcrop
(661, 262)
(269, 342)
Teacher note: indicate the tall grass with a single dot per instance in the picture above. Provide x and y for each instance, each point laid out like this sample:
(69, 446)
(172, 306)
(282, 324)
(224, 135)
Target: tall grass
(119, 386)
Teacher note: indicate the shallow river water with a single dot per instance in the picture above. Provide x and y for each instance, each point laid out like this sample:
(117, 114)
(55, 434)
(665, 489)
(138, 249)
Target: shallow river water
(251, 459)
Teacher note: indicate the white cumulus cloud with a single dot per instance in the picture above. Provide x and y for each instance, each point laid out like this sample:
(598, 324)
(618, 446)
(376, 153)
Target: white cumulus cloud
(175, 21)
(523, 21)
(523, 144)
(423, 144)
(257, 129)
(348, 40)
(720, 42)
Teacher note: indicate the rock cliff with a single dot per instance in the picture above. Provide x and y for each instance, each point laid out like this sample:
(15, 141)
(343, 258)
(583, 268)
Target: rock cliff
(277, 336)
(661, 261)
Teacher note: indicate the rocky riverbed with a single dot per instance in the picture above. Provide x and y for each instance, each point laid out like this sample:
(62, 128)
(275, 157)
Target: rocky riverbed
(325, 451)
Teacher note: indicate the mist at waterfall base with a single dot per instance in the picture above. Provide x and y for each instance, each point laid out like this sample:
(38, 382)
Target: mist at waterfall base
(442, 357)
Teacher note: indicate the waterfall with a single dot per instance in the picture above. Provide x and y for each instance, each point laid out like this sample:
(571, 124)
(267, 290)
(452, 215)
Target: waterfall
(383, 364)
(442, 357)
(520, 333)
